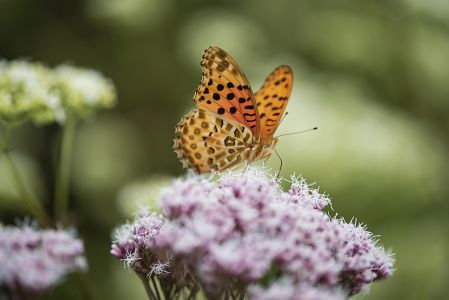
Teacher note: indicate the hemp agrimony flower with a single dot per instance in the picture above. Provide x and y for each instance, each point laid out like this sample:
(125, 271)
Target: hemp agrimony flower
(241, 234)
(136, 243)
(33, 260)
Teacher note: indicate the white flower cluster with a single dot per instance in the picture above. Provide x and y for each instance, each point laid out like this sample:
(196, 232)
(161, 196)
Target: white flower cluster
(84, 90)
(30, 90)
(26, 91)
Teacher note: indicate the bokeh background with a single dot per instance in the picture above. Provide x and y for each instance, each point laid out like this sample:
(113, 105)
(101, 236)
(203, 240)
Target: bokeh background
(372, 75)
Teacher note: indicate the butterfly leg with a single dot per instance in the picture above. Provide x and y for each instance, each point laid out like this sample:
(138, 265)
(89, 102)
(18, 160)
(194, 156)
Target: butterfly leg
(280, 166)
(265, 160)
(247, 165)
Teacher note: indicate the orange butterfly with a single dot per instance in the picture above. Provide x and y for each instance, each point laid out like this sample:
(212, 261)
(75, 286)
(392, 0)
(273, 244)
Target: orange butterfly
(231, 124)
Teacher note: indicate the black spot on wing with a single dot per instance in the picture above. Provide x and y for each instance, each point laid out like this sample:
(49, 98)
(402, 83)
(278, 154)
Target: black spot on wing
(230, 96)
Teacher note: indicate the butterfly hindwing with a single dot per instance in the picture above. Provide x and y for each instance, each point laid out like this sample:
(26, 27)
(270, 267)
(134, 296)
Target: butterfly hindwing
(272, 99)
(225, 91)
(206, 142)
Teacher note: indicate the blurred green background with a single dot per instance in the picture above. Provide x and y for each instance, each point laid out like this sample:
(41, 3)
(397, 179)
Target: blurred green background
(372, 75)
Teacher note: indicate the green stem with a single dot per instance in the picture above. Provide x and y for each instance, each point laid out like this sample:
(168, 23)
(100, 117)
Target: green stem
(88, 289)
(148, 289)
(63, 171)
(33, 203)
(6, 133)
(153, 280)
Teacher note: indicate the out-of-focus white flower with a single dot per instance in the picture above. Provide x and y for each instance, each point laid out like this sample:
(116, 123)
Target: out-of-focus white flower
(83, 90)
(33, 260)
(27, 91)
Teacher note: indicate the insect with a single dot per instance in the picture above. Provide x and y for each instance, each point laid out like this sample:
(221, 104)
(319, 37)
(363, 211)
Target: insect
(231, 124)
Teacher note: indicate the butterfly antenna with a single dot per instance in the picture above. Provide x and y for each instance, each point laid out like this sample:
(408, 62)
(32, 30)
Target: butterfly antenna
(280, 166)
(283, 117)
(291, 133)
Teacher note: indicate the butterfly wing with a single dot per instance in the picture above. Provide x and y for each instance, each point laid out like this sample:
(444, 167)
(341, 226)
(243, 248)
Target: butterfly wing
(225, 91)
(272, 99)
(206, 142)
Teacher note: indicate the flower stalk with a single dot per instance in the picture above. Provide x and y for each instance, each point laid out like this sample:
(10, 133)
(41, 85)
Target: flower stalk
(156, 288)
(63, 171)
(147, 287)
(34, 205)
(86, 285)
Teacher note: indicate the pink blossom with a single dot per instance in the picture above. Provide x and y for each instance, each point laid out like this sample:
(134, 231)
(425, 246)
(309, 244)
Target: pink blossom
(240, 229)
(34, 260)
(136, 244)
(285, 289)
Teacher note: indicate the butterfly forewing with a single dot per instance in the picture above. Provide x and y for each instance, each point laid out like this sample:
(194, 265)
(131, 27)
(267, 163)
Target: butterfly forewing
(272, 98)
(206, 142)
(225, 91)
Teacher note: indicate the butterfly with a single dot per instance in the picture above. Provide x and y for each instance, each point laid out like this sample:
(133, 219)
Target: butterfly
(231, 124)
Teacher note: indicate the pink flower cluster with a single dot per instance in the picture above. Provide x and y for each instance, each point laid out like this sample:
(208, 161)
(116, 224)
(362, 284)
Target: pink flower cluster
(242, 233)
(135, 244)
(33, 260)
(285, 288)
